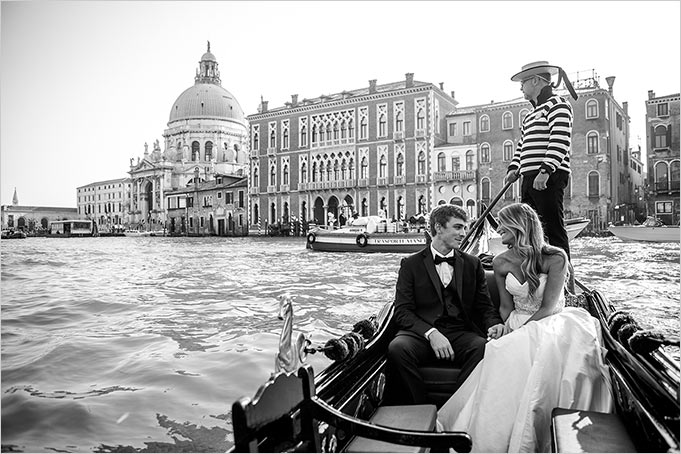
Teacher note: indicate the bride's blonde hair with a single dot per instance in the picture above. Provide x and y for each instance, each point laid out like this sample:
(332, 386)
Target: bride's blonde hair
(522, 222)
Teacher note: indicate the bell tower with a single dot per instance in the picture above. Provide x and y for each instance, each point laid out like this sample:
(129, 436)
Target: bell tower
(208, 72)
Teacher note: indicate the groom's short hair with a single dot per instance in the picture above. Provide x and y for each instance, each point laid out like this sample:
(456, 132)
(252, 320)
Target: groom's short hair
(442, 213)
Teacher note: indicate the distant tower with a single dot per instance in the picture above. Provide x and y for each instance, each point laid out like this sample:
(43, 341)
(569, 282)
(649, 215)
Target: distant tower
(15, 199)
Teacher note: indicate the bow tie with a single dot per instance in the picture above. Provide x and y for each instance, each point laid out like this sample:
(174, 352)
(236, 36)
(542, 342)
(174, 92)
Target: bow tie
(439, 259)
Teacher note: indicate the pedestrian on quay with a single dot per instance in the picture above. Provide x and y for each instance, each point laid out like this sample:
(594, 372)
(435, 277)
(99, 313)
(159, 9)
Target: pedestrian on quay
(542, 156)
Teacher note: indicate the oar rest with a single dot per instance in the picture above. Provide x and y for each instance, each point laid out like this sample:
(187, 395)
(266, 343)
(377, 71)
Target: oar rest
(284, 416)
(440, 377)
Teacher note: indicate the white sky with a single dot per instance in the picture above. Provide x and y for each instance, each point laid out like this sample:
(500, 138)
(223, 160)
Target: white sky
(85, 84)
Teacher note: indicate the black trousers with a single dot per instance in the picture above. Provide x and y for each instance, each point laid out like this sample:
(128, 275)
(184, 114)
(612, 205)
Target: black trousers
(408, 351)
(549, 206)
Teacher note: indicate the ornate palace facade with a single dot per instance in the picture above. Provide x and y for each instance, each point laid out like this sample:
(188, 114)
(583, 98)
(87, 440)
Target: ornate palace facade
(366, 151)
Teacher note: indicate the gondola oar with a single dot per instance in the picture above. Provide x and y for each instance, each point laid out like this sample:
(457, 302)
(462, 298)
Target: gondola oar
(485, 213)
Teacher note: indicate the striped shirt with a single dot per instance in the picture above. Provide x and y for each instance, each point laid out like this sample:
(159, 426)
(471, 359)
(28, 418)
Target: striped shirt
(545, 139)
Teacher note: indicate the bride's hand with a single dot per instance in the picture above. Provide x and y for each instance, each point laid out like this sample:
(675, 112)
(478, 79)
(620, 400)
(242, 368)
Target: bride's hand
(496, 331)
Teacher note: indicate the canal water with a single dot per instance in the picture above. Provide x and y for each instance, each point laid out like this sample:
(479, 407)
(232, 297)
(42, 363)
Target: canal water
(142, 344)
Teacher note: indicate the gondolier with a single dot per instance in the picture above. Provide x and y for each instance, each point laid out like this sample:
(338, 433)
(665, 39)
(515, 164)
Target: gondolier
(542, 156)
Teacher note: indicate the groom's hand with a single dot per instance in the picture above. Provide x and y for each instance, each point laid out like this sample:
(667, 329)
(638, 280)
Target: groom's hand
(496, 331)
(441, 346)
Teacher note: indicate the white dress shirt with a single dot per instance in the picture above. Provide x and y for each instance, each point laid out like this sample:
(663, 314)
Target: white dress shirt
(444, 269)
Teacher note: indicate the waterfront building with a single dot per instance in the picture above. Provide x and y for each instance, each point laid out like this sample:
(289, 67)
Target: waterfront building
(599, 156)
(636, 207)
(206, 140)
(215, 207)
(366, 151)
(455, 164)
(662, 142)
(105, 202)
(32, 219)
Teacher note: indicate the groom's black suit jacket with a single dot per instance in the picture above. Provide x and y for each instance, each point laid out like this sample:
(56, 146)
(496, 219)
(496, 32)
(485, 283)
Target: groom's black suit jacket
(419, 300)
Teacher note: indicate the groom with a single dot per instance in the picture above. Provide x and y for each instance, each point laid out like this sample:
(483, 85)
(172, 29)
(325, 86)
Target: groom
(442, 308)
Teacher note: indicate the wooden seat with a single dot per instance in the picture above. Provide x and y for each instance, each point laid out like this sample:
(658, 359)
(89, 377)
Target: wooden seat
(440, 380)
(588, 431)
(409, 417)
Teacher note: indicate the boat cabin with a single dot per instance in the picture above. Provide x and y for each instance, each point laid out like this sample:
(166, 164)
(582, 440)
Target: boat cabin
(73, 228)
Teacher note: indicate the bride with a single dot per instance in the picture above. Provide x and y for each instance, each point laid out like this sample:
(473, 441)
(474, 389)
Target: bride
(549, 356)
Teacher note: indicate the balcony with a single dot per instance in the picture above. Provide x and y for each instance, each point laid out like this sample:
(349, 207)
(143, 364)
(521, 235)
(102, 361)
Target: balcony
(458, 175)
(271, 189)
(363, 182)
(253, 190)
(349, 183)
(400, 180)
(420, 178)
(284, 188)
(420, 133)
(271, 151)
(398, 135)
(382, 181)
(333, 143)
(661, 186)
(302, 186)
(667, 187)
(254, 153)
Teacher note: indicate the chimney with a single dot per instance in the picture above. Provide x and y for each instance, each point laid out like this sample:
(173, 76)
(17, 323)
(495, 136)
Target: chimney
(294, 100)
(372, 86)
(453, 97)
(263, 106)
(409, 79)
(611, 81)
(442, 86)
(651, 94)
(625, 107)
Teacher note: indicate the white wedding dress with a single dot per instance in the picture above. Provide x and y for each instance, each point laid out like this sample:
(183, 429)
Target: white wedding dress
(505, 404)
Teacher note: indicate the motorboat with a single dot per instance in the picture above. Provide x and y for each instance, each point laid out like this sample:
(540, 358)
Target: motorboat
(368, 234)
(340, 408)
(136, 233)
(651, 230)
(13, 234)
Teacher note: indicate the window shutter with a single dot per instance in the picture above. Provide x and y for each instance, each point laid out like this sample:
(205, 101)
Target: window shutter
(652, 137)
(669, 135)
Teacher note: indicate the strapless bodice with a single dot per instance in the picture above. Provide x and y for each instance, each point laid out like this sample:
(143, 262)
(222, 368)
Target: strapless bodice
(523, 302)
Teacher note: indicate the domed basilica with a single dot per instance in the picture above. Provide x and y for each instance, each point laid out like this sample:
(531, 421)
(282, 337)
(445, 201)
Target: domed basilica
(205, 147)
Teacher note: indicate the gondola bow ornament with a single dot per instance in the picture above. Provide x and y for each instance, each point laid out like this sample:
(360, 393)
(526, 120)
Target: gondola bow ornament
(291, 355)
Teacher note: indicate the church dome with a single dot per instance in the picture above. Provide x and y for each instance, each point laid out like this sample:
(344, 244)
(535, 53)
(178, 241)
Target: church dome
(207, 98)
(206, 101)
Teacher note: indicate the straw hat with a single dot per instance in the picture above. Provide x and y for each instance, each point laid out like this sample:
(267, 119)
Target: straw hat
(535, 68)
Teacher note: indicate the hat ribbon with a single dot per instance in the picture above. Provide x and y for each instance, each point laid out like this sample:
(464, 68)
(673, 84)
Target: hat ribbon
(562, 76)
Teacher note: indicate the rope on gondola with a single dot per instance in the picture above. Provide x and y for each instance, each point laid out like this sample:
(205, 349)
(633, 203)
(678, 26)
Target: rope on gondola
(349, 344)
(624, 328)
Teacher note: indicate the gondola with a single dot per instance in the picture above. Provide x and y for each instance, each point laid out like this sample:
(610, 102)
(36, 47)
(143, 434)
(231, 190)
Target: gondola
(340, 409)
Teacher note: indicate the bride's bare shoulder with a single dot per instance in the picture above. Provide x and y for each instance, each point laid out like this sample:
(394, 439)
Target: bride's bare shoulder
(502, 261)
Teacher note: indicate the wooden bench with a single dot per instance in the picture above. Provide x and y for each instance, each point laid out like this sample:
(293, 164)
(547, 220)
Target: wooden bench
(588, 431)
